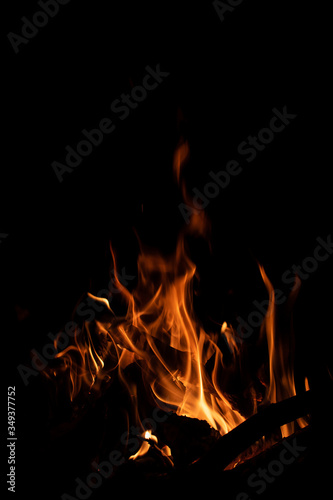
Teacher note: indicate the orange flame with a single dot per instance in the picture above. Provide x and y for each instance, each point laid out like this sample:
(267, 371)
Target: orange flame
(199, 223)
(147, 436)
(281, 354)
(173, 347)
(161, 333)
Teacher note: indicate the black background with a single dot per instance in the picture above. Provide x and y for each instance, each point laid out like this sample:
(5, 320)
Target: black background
(225, 78)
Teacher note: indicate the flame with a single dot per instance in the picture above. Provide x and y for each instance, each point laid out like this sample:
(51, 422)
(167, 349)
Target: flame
(182, 366)
(199, 223)
(281, 373)
(171, 345)
(82, 361)
(160, 332)
(281, 354)
(181, 155)
(147, 439)
(306, 384)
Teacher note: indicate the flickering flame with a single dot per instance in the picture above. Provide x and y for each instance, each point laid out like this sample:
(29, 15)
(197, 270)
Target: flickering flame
(160, 332)
(182, 365)
(148, 439)
(306, 383)
(179, 159)
(281, 354)
(199, 223)
(282, 383)
(170, 343)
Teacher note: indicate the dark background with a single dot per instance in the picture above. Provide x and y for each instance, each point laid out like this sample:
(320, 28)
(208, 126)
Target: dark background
(225, 78)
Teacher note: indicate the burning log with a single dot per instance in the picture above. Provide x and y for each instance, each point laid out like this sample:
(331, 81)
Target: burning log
(274, 470)
(229, 446)
(214, 454)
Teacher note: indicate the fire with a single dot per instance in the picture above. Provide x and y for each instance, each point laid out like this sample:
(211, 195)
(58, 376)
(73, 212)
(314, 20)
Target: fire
(147, 439)
(172, 347)
(160, 332)
(199, 223)
(281, 354)
(181, 364)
